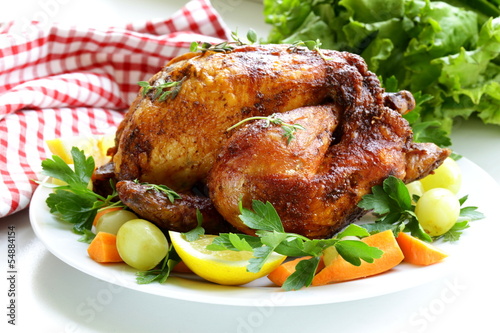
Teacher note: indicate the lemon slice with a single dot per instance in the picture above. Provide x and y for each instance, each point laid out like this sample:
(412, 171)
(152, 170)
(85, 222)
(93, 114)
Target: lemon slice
(222, 267)
(93, 145)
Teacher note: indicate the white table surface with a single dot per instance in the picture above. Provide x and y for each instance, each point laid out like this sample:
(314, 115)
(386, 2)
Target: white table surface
(54, 297)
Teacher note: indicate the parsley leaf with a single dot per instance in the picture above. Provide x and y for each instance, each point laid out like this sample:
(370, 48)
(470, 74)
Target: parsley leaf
(415, 229)
(271, 237)
(353, 230)
(353, 251)
(196, 232)
(260, 256)
(234, 242)
(302, 276)
(75, 202)
(455, 232)
(392, 204)
(378, 201)
(79, 177)
(74, 208)
(467, 214)
(397, 191)
(263, 217)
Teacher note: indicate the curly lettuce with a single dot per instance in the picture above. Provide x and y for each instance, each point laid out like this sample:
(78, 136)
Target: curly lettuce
(447, 50)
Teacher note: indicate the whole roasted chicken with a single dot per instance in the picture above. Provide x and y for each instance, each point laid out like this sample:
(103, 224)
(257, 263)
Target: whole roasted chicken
(317, 133)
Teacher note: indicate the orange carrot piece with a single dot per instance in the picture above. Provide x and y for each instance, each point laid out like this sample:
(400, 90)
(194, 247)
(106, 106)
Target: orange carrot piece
(279, 275)
(103, 249)
(181, 267)
(103, 211)
(418, 252)
(340, 270)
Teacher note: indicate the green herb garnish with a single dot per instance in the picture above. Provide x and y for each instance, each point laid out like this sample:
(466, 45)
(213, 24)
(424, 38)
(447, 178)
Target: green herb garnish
(288, 129)
(163, 90)
(271, 237)
(226, 46)
(171, 194)
(205, 46)
(198, 231)
(392, 204)
(75, 202)
(313, 45)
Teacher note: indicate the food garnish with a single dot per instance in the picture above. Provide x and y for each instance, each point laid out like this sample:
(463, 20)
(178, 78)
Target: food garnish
(271, 237)
(221, 267)
(418, 252)
(288, 129)
(163, 90)
(225, 46)
(103, 248)
(171, 194)
(141, 244)
(74, 202)
(390, 202)
(340, 270)
(395, 211)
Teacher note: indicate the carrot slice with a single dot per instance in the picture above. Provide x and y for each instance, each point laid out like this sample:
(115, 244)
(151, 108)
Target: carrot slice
(418, 252)
(181, 267)
(340, 270)
(279, 275)
(103, 249)
(103, 211)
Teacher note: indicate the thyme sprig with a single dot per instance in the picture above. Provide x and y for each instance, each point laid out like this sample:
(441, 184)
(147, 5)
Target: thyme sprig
(288, 129)
(171, 194)
(205, 46)
(226, 46)
(251, 37)
(313, 45)
(163, 90)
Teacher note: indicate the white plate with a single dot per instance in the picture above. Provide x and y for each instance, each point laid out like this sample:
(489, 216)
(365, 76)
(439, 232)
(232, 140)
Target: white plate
(58, 238)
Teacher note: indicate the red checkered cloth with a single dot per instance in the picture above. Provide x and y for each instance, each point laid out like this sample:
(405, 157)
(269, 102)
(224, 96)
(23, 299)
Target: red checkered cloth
(67, 81)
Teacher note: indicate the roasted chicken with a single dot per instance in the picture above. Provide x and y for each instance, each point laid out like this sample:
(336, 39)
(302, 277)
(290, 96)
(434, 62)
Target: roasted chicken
(351, 137)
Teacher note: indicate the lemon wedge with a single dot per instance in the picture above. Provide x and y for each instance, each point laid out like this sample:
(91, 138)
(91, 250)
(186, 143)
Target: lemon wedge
(93, 145)
(222, 267)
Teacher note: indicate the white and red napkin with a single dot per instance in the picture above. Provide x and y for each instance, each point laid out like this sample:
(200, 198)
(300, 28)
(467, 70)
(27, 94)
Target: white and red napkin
(68, 81)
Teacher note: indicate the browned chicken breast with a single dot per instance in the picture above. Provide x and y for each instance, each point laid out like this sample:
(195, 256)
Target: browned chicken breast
(316, 181)
(352, 137)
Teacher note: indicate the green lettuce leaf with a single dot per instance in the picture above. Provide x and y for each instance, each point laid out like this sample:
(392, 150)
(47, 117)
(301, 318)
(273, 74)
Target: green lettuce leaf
(448, 50)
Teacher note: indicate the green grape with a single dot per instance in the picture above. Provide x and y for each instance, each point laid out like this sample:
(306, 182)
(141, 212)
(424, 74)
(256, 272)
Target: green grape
(112, 221)
(448, 175)
(415, 188)
(141, 244)
(437, 211)
(330, 254)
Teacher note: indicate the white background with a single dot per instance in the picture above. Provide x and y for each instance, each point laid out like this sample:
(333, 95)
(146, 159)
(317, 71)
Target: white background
(54, 297)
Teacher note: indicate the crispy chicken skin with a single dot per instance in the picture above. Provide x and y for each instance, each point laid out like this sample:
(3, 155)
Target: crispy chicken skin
(176, 142)
(314, 184)
(353, 138)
